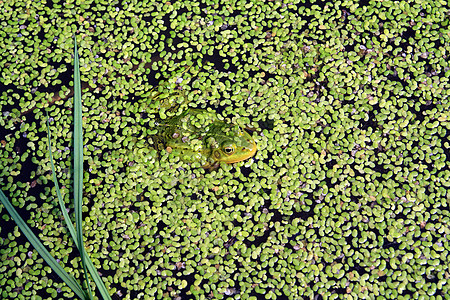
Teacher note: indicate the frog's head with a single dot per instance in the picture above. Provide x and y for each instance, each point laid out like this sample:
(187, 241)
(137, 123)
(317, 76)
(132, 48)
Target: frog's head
(233, 146)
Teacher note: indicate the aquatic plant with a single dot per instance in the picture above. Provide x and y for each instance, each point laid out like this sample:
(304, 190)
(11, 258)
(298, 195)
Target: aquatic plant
(346, 196)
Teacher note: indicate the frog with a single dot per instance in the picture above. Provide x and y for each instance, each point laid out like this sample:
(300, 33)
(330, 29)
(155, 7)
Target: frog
(199, 135)
(196, 135)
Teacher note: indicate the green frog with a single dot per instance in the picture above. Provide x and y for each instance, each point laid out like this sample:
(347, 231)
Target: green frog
(198, 135)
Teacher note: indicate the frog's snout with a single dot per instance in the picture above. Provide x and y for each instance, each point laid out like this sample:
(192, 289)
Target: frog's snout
(250, 148)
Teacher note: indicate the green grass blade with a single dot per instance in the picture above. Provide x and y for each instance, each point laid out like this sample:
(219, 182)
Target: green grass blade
(78, 178)
(78, 162)
(68, 279)
(100, 285)
(87, 261)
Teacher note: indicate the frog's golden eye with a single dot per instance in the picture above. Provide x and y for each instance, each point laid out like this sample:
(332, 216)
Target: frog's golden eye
(229, 150)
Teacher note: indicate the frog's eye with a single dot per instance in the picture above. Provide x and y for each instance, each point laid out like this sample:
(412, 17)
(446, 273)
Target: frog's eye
(229, 150)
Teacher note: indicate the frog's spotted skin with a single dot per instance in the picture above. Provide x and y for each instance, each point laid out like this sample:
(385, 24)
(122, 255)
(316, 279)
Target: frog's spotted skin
(198, 135)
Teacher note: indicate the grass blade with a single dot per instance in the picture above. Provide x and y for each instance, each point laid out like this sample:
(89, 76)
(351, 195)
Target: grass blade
(100, 285)
(86, 261)
(78, 162)
(51, 261)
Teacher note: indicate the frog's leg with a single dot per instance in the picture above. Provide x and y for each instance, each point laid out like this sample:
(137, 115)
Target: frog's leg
(211, 166)
(158, 144)
(172, 99)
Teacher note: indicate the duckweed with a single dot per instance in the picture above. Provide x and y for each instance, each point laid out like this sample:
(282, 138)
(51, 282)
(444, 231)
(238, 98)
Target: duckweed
(346, 196)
